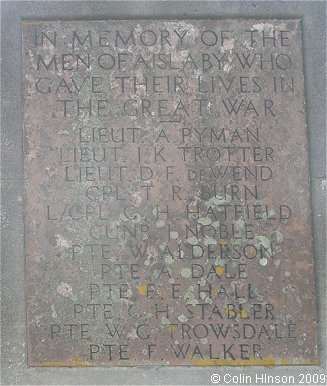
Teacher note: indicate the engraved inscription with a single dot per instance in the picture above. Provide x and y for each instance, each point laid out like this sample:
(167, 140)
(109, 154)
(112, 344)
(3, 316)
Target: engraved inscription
(167, 194)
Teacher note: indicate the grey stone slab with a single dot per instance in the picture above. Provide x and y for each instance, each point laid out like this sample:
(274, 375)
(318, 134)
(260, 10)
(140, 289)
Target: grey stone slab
(318, 203)
(270, 268)
(11, 135)
(313, 13)
(13, 353)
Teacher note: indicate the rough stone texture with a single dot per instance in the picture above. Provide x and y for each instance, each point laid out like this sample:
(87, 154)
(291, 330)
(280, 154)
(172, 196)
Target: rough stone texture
(13, 351)
(139, 205)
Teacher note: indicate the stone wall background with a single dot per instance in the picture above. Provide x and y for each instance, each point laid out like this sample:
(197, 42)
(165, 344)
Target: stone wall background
(13, 327)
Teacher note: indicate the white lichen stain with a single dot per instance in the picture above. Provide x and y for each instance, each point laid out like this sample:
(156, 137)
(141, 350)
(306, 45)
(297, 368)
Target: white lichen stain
(192, 32)
(205, 220)
(54, 313)
(239, 224)
(263, 261)
(278, 237)
(152, 256)
(132, 334)
(227, 67)
(267, 27)
(65, 290)
(192, 240)
(263, 240)
(182, 254)
(137, 198)
(169, 260)
(271, 213)
(197, 251)
(186, 272)
(189, 297)
(218, 200)
(209, 241)
(160, 223)
(289, 288)
(129, 293)
(277, 263)
(165, 321)
(173, 235)
(62, 243)
(206, 298)
(163, 246)
(182, 318)
(50, 171)
(228, 46)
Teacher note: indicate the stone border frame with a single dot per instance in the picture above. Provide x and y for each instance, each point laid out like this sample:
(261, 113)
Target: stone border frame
(14, 369)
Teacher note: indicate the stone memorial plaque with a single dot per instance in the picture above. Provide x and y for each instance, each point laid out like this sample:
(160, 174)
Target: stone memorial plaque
(167, 194)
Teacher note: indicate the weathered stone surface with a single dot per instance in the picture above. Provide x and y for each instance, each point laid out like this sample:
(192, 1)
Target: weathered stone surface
(167, 200)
